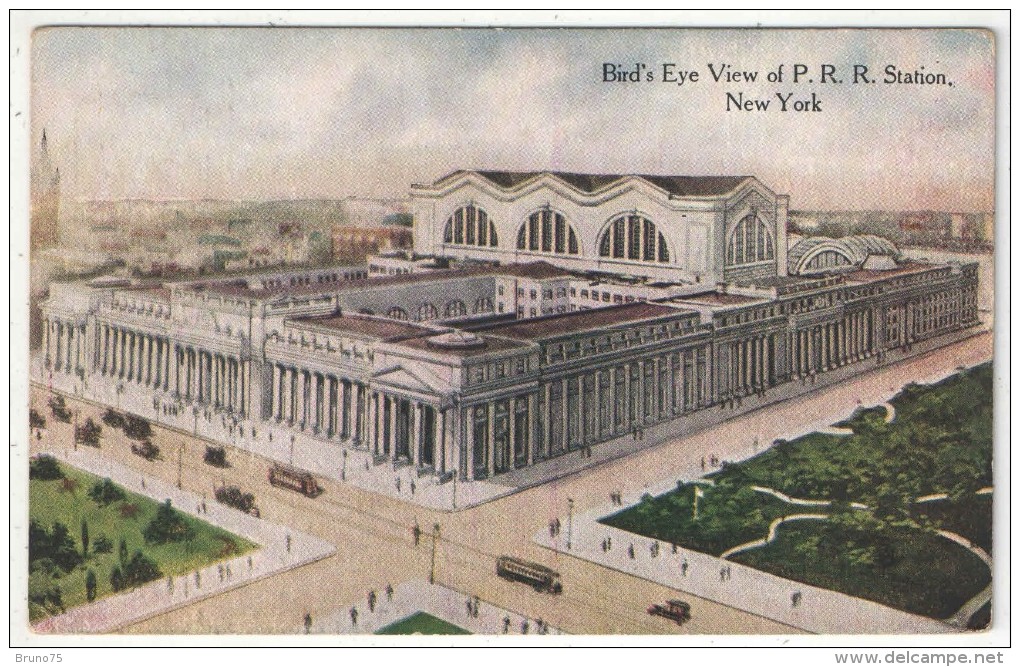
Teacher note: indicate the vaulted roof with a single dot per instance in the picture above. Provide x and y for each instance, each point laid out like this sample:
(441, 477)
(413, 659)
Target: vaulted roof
(677, 186)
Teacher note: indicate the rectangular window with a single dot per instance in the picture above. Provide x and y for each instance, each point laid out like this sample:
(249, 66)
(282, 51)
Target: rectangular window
(584, 293)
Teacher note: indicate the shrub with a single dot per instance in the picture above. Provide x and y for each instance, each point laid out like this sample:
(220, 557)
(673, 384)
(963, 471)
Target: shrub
(90, 585)
(44, 467)
(102, 545)
(168, 525)
(55, 545)
(140, 569)
(59, 409)
(216, 456)
(128, 510)
(105, 492)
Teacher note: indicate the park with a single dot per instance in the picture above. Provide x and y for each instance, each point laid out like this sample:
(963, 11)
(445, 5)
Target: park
(90, 538)
(892, 505)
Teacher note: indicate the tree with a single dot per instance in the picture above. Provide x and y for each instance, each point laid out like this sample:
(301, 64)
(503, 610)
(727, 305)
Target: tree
(140, 569)
(36, 420)
(116, 579)
(105, 492)
(90, 585)
(44, 467)
(216, 456)
(122, 552)
(168, 526)
(84, 538)
(113, 419)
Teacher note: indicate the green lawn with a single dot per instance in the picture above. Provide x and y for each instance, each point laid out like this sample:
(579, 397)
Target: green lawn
(939, 442)
(422, 624)
(927, 574)
(52, 501)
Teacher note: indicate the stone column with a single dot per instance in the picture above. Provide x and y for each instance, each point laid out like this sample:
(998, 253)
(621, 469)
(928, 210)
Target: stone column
(392, 440)
(469, 441)
(490, 454)
(512, 431)
(532, 426)
(416, 434)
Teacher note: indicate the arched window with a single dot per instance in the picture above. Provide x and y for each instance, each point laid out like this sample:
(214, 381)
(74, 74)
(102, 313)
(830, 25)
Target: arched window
(633, 237)
(426, 312)
(455, 308)
(750, 241)
(470, 225)
(828, 259)
(483, 305)
(548, 231)
(397, 313)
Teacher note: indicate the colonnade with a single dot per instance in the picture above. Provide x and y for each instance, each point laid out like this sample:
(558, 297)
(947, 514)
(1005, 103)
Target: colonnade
(751, 364)
(133, 356)
(211, 378)
(64, 345)
(826, 346)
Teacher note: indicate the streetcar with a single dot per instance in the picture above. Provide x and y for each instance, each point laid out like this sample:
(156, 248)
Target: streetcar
(295, 479)
(675, 610)
(539, 577)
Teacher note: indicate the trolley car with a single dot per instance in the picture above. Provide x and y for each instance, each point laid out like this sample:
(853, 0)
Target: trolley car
(295, 479)
(537, 576)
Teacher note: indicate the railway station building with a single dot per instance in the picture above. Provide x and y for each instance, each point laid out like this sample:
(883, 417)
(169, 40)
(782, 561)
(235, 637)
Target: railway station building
(540, 313)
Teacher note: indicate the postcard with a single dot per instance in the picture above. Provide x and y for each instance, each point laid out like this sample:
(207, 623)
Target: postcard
(548, 334)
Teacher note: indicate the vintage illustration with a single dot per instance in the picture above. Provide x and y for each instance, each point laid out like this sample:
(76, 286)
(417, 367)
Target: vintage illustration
(393, 331)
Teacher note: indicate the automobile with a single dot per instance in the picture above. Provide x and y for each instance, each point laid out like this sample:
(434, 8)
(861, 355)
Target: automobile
(675, 610)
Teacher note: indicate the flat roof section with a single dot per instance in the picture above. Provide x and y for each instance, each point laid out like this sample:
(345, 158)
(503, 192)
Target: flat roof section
(714, 298)
(583, 320)
(871, 276)
(491, 344)
(379, 328)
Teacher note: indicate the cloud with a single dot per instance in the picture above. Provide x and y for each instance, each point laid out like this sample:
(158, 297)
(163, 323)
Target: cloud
(232, 113)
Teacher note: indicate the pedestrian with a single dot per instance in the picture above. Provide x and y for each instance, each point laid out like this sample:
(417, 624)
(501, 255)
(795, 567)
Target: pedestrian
(559, 526)
(722, 574)
(416, 533)
(226, 568)
(205, 510)
(288, 542)
(398, 484)
(371, 601)
(702, 464)
(506, 624)
(354, 616)
(674, 548)
(477, 605)
(552, 529)
(143, 482)
(412, 487)
(467, 606)
(198, 580)
(249, 564)
(795, 599)
(219, 570)
(609, 542)
(729, 572)
(389, 593)
(683, 568)
(630, 551)
(525, 626)
(170, 585)
(308, 623)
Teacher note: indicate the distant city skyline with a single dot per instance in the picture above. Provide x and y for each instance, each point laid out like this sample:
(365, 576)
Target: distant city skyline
(196, 113)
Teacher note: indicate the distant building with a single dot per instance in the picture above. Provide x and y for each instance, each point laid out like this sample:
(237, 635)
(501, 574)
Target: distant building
(359, 242)
(45, 199)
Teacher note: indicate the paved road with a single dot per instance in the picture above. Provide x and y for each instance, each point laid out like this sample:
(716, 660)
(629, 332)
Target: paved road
(372, 532)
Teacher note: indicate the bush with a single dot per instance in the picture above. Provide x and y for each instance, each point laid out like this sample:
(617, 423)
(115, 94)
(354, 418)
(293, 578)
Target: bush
(140, 569)
(168, 525)
(90, 585)
(113, 419)
(44, 467)
(234, 497)
(102, 545)
(105, 492)
(216, 456)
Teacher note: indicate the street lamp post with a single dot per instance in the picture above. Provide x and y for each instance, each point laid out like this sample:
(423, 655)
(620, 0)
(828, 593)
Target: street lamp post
(292, 450)
(570, 520)
(180, 464)
(343, 471)
(435, 541)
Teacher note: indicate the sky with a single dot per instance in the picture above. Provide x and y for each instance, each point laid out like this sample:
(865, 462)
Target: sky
(276, 113)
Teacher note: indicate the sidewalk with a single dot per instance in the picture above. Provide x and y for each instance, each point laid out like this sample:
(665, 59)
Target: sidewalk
(160, 596)
(415, 596)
